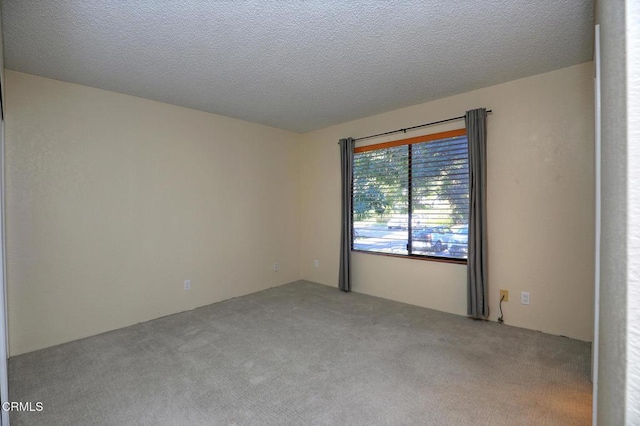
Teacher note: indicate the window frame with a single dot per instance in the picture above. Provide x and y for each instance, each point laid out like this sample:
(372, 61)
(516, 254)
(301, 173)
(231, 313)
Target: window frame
(408, 141)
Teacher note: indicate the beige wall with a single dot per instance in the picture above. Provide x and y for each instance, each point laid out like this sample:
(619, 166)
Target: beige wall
(113, 201)
(617, 385)
(540, 205)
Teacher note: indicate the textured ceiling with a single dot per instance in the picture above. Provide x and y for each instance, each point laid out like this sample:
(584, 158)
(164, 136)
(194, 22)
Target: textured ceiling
(295, 65)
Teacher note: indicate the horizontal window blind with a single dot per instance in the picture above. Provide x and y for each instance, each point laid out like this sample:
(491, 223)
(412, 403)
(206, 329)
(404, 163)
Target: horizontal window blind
(411, 197)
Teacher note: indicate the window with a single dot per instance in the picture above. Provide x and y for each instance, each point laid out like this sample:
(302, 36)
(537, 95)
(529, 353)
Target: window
(411, 197)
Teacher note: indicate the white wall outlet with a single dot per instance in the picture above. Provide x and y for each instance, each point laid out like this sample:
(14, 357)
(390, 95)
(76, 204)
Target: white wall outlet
(187, 285)
(316, 264)
(524, 298)
(275, 267)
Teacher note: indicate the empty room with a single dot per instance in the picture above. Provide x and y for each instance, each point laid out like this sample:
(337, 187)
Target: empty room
(320, 212)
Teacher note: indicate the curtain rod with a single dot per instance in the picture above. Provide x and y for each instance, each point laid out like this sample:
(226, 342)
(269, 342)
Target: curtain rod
(414, 127)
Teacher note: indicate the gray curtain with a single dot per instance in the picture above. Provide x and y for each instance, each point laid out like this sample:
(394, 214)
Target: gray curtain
(346, 161)
(478, 294)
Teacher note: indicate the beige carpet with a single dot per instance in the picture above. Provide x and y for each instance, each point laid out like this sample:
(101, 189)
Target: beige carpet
(306, 354)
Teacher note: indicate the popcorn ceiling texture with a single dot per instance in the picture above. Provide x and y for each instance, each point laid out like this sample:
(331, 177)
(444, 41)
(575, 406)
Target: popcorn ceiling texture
(297, 66)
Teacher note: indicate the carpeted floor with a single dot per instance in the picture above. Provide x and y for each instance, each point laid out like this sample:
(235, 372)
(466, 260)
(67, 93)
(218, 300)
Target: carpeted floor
(305, 354)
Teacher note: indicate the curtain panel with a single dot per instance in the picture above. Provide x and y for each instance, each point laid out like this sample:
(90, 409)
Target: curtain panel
(346, 161)
(478, 294)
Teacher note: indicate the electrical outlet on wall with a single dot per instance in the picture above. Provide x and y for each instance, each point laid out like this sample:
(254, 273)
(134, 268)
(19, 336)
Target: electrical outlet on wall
(524, 298)
(275, 267)
(316, 264)
(187, 285)
(504, 293)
